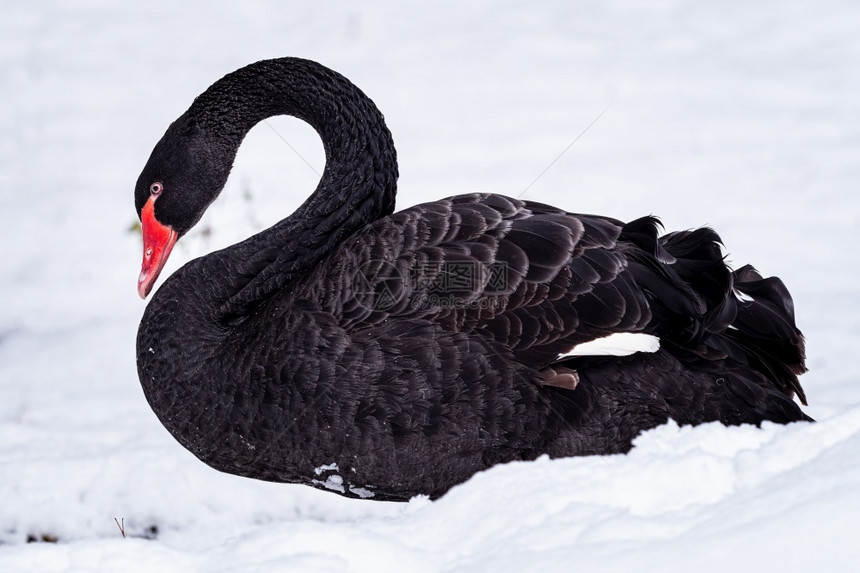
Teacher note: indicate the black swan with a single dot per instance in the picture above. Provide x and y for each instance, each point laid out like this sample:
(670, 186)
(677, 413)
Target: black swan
(387, 355)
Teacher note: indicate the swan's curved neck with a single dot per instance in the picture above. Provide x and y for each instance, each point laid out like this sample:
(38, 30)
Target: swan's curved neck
(357, 187)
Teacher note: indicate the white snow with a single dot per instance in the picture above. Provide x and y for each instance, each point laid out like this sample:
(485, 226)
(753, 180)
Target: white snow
(332, 467)
(740, 115)
(333, 482)
(362, 492)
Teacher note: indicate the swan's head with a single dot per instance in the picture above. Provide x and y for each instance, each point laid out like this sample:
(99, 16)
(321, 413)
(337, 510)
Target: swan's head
(185, 173)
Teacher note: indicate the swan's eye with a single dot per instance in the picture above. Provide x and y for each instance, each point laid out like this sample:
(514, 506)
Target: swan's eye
(155, 188)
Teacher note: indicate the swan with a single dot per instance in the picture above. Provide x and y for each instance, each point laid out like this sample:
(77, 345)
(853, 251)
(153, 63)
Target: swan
(384, 355)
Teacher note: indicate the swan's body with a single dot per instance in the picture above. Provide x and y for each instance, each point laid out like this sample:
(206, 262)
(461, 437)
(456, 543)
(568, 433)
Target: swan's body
(389, 355)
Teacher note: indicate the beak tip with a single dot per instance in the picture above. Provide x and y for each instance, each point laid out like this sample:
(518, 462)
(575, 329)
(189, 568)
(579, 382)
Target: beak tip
(142, 286)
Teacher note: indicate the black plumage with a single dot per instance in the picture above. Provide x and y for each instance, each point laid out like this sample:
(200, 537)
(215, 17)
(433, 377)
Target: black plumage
(391, 354)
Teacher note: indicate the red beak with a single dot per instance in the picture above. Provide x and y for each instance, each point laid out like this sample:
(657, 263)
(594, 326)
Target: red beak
(158, 241)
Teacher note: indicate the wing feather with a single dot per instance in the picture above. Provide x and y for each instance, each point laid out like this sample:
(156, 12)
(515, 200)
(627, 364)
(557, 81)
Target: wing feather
(520, 275)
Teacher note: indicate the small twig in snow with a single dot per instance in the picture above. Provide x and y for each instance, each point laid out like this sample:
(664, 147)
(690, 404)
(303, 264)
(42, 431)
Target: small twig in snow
(121, 525)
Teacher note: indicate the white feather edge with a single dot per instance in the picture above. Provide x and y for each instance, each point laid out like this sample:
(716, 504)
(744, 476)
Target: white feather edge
(617, 344)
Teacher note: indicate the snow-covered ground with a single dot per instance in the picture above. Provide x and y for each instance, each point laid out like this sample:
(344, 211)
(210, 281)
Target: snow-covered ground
(740, 115)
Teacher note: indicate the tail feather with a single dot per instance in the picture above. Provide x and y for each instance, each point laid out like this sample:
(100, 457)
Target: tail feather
(686, 278)
(705, 313)
(730, 350)
(700, 263)
(766, 331)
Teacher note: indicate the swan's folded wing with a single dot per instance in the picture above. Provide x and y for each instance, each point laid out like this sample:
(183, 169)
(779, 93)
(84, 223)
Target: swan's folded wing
(530, 277)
